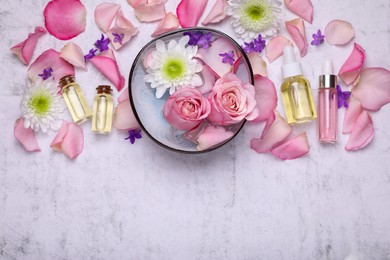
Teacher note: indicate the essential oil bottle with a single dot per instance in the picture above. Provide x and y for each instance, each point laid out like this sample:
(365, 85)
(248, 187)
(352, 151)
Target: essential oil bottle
(75, 99)
(103, 108)
(296, 92)
(327, 105)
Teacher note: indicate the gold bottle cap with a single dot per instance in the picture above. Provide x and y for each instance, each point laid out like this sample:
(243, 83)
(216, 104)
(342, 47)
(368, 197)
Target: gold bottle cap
(104, 89)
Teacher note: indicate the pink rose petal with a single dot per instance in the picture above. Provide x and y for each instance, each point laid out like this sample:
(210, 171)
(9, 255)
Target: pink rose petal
(106, 63)
(73, 54)
(190, 11)
(217, 12)
(258, 65)
(373, 88)
(362, 133)
(69, 140)
(302, 8)
(122, 27)
(208, 79)
(339, 32)
(150, 10)
(351, 68)
(50, 58)
(169, 23)
(351, 114)
(25, 49)
(135, 3)
(212, 136)
(266, 97)
(124, 96)
(275, 131)
(293, 148)
(124, 118)
(275, 47)
(26, 136)
(296, 28)
(105, 14)
(65, 19)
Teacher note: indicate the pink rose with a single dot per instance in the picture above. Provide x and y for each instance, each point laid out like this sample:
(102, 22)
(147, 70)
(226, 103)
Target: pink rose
(231, 101)
(186, 108)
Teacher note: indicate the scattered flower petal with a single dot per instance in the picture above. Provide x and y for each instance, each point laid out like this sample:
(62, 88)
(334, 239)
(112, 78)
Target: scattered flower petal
(65, 19)
(149, 10)
(318, 38)
(351, 115)
(362, 133)
(373, 88)
(212, 136)
(351, 68)
(208, 80)
(102, 44)
(189, 12)
(227, 57)
(124, 96)
(69, 140)
(256, 45)
(91, 54)
(302, 8)
(133, 135)
(46, 73)
(105, 14)
(124, 118)
(296, 28)
(258, 64)
(342, 97)
(73, 54)
(265, 96)
(293, 148)
(26, 136)
(124, 29)
(167, 24)
(339, 32)
(275, 47)
(217, 13)
(25, 49)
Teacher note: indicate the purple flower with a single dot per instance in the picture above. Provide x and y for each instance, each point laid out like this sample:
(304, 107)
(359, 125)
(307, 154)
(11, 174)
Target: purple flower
(257, 45)
(118, 37)
(46, 73)
(228, 57)
(205, 40)
(318, 38)
(134, 134)
(342, 97)
(90, 54)
(102, 44)
(194, 37)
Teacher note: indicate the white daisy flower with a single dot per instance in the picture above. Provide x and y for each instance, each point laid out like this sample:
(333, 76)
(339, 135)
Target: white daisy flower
(172, 67)
(42, 106)
(254, 17)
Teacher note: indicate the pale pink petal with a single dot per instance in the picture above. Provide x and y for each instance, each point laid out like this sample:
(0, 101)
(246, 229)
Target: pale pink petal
(373, 88)
(293, 148)
(150, 12)
(351, 114)
(190, 11)
(124, 118)
(275, 47)
(105, 14)
(212, 136)
(211, 58)
(135, 3)
(169, 23)
(258, 65)
(302, 8)
(266, 97)
(339, 32)
(73, 54)
(124, 96)
(50, 58)
(65, 19)
(362, 133)
(217, 12)
(208, 80)
(25, 49)
(122, 27)
(296, 28)
(57, 141)
(148, 57)
(352, 66)
(106, 63)
(275, 131)
(26, 136)
(69, 140)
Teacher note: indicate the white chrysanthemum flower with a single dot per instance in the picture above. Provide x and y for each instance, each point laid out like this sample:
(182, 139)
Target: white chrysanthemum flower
(172, 67)
(254, 17)
(42, 106)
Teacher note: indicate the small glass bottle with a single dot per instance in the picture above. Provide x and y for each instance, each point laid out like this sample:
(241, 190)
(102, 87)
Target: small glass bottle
(327, 105)
(296, 92)
(75, 99)
(103, 108)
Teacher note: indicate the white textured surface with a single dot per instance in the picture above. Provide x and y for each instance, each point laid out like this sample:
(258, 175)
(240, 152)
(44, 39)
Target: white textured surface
(122, 201)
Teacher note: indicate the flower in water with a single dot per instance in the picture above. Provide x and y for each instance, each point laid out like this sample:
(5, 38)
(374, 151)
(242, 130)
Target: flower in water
(102, 44)
(90, 54)
(257, 45)
(173, 67)
(342, 97)
(134, 134)
(318, 38)
(46, 73)
(252, 17)
(205, 40)
(42, 106)
(194, 37)
(228, 57)
(118, 37)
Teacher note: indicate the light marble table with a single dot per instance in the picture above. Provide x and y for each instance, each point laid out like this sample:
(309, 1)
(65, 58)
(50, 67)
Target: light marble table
(123, 201)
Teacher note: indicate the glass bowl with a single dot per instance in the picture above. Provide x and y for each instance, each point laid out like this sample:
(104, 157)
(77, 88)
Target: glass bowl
(148, 109)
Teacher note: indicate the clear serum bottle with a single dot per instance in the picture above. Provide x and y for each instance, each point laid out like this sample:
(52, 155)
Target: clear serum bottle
(75, 99)
(103, 107)
(327, 105)
(296, 92)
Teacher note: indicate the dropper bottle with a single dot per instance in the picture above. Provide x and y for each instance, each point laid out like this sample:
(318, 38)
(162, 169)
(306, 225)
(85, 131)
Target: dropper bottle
(327, 105)
(296, 92)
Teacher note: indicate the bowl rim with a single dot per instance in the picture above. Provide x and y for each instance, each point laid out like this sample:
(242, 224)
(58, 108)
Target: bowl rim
(137, 58)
